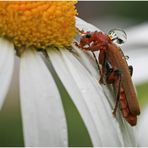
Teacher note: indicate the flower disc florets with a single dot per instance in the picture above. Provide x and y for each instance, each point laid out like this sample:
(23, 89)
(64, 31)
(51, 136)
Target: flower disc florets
(38, 24)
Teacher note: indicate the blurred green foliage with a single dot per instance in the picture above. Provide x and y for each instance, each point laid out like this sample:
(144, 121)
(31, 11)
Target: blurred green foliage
(11, 134)
(134, 9)
(142, 91)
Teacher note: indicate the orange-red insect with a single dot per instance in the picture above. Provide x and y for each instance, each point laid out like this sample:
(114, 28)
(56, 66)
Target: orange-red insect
(114, 68)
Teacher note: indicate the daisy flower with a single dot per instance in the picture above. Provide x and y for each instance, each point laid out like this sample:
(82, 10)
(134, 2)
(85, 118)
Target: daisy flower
(41, 34)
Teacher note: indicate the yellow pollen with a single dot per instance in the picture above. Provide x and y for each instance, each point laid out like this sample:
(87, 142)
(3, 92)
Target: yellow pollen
(38, 24)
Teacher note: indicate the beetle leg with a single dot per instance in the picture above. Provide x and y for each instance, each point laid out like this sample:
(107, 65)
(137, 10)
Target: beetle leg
(79, 46)
(130, 69)
(118, 88)
(102, 61)
(113, 76)
(76, 44)
(80, 31)
(110, 76)
(96, 62)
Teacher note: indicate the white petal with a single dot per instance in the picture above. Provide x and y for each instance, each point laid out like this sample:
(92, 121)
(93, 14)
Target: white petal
(82, 25)
(88, 61)
(142, 134)
(89, 99)
(138, 59)
(137, 36)
(6, 67)
(43, 115)
(136, 49)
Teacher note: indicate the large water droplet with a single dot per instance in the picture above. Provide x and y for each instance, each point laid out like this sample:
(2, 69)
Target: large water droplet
(118, 36)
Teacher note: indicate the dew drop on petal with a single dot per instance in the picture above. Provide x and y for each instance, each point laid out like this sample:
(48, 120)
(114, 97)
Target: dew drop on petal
(118, 36)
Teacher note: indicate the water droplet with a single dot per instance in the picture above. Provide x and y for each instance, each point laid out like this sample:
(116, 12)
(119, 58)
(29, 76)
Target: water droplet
(118, 36)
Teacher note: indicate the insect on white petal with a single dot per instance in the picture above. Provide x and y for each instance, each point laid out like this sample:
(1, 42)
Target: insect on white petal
(86, 97)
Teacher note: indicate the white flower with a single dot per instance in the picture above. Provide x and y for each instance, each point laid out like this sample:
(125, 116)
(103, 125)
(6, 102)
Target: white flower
(44, 121)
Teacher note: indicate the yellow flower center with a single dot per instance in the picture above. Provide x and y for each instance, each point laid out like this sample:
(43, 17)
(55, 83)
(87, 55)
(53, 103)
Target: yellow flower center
(38, 24)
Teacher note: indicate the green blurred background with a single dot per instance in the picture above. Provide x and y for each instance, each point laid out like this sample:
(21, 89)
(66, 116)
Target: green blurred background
(105, 15)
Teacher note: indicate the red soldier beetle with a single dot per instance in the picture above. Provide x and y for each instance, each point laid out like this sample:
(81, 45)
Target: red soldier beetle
(113, 67)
